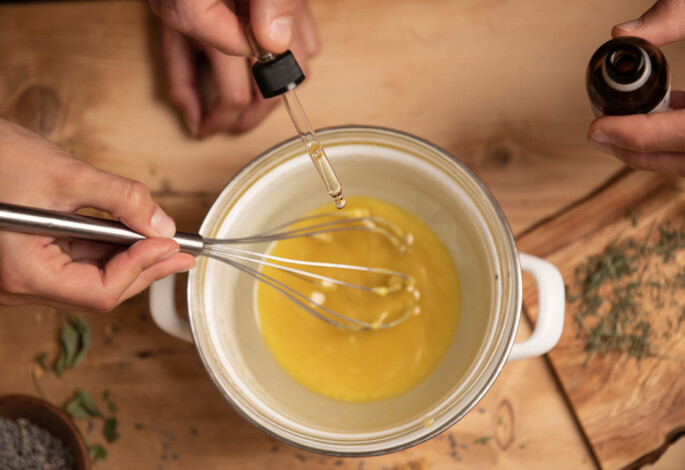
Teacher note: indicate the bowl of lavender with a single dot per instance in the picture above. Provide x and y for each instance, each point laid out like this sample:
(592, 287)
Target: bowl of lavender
(35, 434)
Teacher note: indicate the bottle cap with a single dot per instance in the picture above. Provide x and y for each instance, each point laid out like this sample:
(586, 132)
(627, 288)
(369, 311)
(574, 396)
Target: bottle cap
(277, 75)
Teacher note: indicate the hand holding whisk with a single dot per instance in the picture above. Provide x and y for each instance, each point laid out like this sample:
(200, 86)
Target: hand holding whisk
(43, 222)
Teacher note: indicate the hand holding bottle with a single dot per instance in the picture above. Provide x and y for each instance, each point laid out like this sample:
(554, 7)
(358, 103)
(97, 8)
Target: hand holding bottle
(654, 142)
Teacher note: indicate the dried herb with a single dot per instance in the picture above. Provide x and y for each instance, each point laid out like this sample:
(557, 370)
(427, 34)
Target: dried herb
(75, 342)
(70, 341)
(110, 404)
(84, 339)
(110, 430)
(616, 289)
(96, 452)
(24, 445)
(482, 440)
(139, 426)
(40, 359)
(82, 406)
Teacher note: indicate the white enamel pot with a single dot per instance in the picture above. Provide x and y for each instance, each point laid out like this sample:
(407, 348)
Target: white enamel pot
(418, 176)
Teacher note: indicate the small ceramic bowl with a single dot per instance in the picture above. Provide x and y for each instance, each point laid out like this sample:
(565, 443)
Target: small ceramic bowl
(52, 419)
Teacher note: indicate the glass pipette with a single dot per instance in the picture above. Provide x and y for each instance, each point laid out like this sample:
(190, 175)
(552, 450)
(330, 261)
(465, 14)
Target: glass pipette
(279, 75)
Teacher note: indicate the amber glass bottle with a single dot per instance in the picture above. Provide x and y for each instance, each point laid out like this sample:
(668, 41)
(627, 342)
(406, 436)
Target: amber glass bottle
(628, 75)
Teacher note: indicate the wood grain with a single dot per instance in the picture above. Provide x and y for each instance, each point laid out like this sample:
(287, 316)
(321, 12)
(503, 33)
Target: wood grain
(499, 84)
(160, 382)
(631, 410)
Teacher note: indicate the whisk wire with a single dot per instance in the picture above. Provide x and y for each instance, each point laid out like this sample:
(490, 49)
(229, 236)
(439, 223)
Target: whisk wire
(255, 257)
(367, 223)
(295, 296)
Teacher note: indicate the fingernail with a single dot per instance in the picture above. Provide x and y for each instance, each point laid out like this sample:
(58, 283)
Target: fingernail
(606, 148)
(281, 29)
(186, 268)
(168, 255)
(602, 137)
(630, 25)
(162, 223)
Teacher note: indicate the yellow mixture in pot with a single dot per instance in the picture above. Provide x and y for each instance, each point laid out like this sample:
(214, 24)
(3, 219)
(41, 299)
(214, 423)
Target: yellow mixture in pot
(362, 366)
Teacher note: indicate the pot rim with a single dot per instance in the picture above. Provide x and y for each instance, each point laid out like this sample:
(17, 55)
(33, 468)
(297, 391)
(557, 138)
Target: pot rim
(504, 347)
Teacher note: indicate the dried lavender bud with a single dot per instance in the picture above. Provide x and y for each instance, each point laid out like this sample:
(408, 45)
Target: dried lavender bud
(24, 445)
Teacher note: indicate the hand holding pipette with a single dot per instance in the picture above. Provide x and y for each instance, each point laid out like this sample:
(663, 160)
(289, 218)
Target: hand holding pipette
(215, 31)
(279, 75)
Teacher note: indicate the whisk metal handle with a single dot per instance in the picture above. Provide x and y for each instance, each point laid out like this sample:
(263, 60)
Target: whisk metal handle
(60, 224)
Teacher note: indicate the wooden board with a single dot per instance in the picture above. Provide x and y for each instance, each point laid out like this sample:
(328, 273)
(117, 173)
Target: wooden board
(629, 404)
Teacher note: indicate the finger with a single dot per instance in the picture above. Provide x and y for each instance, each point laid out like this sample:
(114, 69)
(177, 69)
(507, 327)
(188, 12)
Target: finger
(102, 289)
(179, 61)
(178, 263)
(254, 114)
(272, 23)
(259, 107)
(56, 289)
(305, 30)
(209, 21)
(85, 251)
(232, 82)
(12, 300)
(661, 24)
(670, 163)
(128, 200)
(657, 132)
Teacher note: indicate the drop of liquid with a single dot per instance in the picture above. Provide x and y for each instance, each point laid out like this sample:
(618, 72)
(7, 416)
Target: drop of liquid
(340, 202)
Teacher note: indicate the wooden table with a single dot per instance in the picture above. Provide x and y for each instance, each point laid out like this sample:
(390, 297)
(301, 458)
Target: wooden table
(498, 84)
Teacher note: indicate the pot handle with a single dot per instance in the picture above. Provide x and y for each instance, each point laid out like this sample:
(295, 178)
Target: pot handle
(163, 309)
(551, 305)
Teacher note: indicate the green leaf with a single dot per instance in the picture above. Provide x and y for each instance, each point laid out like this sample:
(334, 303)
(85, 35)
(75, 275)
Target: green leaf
(483, 440)
(60, 363)
(40, 359)
(84, 339)
(70, 342)
(82, 406)
(110, 430)
(112, 407)
(139, 426)
(89, 404)
(75, 408)
(105, 395)
(97, 452)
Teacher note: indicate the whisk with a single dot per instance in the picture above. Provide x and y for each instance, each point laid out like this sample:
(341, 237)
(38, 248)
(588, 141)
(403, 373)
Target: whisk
(58, 224)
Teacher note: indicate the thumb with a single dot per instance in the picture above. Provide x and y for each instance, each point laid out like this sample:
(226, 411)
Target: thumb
(664, 23)
(127, 200)
(272, 23)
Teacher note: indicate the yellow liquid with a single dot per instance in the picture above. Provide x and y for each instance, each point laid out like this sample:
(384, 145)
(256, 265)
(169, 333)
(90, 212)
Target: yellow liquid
(362, 366)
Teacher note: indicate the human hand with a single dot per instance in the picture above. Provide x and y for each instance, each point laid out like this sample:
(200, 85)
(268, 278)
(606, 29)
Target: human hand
(72, 274)
(654, 142)
(216, 29)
